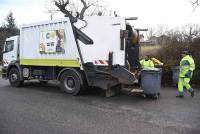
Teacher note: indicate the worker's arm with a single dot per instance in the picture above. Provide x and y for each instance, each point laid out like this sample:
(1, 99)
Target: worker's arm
(192, 66)
(156, 61)
(188, 74)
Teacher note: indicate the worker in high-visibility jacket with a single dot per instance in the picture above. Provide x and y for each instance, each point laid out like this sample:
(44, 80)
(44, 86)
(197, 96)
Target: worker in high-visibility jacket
(146, 63)
(187, 66)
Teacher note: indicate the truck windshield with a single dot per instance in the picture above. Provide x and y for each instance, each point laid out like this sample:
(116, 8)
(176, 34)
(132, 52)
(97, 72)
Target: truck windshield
(9, 46)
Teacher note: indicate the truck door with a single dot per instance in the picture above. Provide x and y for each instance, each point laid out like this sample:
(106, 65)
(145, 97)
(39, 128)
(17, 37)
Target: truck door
(10, 51)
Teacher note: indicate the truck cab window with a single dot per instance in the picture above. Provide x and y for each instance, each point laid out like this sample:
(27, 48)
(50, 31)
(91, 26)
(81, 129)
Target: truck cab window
(9, 46)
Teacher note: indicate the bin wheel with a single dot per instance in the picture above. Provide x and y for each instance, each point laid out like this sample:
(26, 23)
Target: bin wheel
(144, 95)
(156, 96)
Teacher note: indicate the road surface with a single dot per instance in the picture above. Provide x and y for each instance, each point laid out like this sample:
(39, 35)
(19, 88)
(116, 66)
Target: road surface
(44, 109)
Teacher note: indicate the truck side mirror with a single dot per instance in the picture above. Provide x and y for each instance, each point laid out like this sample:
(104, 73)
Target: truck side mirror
(3, 50)
(2, 43)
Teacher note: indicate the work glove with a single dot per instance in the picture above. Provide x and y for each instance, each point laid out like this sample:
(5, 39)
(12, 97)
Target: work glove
(188, 74)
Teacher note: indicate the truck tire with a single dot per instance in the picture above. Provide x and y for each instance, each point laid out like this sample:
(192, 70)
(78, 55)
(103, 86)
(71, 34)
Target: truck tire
(71, 82)
(14, 78)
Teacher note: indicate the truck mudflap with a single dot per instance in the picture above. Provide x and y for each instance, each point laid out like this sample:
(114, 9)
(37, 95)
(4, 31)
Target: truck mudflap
(123, 75)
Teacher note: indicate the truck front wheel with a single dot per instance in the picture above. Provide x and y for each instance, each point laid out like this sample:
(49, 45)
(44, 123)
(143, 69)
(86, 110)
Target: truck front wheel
(71, 82)
(14, 78)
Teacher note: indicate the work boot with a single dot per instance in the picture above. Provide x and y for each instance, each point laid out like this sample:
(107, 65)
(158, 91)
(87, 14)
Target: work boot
(192, 93)
(180, 96)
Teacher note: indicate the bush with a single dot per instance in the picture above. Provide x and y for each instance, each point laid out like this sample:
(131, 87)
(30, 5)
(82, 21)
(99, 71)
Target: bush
(172, 43)
(170, 55)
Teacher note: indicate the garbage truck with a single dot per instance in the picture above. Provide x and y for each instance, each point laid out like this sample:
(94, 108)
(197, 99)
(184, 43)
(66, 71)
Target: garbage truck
(94, 52)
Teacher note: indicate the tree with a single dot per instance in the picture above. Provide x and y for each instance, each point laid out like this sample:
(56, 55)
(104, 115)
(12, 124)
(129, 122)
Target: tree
(80, 8)
(8, 29)
(190, 32)
(150, 33)
(10, 21)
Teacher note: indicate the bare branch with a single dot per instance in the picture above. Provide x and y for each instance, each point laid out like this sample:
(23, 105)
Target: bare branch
(84, 3)
(85, 7)
(95, 3)
(195, 3)
(80, 7)
(61, 4)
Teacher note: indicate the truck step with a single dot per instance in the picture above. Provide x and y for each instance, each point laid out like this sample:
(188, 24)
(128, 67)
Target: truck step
(133, 90)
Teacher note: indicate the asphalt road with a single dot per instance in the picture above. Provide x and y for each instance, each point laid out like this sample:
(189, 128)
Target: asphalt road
(44, 109)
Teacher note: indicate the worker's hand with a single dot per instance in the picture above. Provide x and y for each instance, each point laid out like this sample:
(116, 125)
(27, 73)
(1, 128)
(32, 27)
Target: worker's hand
(188, 74)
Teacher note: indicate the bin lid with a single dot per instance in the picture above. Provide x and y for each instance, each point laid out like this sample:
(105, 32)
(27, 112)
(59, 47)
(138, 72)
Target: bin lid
(152, 70)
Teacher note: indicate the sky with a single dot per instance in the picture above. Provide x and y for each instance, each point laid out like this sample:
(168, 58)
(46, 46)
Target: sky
(150, 13)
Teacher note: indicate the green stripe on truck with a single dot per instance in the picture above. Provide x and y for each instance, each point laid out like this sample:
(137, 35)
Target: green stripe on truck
(50, 62)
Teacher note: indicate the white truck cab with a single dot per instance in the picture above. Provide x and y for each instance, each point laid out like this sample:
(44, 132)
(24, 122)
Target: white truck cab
(11, 52)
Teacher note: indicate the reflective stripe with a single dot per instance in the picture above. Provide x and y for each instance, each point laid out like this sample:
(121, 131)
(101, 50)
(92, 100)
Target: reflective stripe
(101, 62)
(50, 62)
(185, 62)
